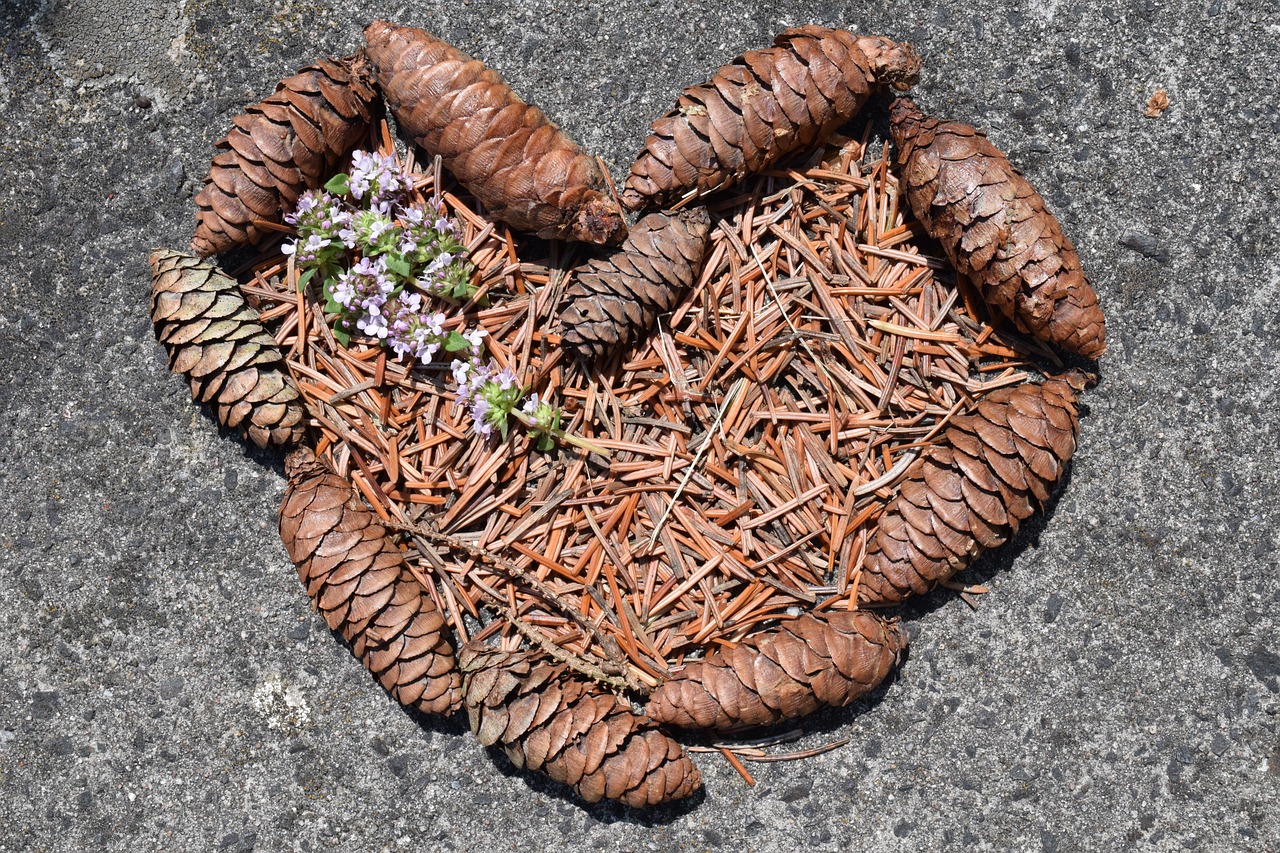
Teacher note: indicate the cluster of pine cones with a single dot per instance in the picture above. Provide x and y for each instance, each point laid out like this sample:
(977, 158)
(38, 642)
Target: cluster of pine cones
(995, 467)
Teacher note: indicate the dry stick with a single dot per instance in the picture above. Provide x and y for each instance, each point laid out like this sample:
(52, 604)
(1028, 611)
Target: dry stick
(629, 680)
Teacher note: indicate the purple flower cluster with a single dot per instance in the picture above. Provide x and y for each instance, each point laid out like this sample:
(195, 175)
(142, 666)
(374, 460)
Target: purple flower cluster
(381, 259)
(321, 221)
(369, 229)
(414, 332)
(376, 181)
(365, 288)
(424, 231)
(488, 393)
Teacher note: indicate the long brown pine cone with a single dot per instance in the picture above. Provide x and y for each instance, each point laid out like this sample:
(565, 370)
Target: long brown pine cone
(277, 149)
(215, 339)
(815, 661)
(361, 584)
(521, 167)
(993, 470)
(997, 230)
(548, 719)
(762, 106)
(614, 299)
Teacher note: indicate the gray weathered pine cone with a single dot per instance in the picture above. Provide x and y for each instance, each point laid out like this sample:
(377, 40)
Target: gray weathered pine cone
(215, 339)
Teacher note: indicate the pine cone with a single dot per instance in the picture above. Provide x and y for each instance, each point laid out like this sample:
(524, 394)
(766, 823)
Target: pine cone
(520, 166)
(291, 142)
(994, 469)
(824, 660)
(361, 584)
(215, 339)
(550, 720)
(996, 230)
(615, 299)
(762, 106)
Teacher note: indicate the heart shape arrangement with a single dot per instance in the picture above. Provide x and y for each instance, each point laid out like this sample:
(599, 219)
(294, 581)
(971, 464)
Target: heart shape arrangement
(595, 495)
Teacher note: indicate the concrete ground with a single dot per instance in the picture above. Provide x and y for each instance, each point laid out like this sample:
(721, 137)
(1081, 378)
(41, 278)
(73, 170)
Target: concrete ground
(164, 686)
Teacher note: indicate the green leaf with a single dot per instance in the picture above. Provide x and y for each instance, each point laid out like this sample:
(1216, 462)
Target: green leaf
(341, 336)
(546, 443)
(306, 277)
(399, 265)
(455, 342)
(339, 184)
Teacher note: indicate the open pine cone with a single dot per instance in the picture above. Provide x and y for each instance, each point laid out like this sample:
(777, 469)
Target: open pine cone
(290, 142)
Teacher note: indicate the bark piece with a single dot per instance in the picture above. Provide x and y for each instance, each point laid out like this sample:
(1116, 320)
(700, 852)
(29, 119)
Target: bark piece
(215, 339)
(996, 230)
(614, 299)
(993, 470)
(521, 167)
(548, 719)
(816, 661)
(762, 106)
(359, 581)
(291, 142)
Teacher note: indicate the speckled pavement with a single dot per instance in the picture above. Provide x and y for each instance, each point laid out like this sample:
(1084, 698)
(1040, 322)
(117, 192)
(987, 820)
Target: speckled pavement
(164, 685)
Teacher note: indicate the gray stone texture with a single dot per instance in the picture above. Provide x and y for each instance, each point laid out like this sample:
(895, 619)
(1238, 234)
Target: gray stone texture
(164, 685)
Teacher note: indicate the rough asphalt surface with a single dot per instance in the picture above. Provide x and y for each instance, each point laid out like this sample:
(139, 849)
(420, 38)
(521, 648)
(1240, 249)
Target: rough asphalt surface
(164, 685)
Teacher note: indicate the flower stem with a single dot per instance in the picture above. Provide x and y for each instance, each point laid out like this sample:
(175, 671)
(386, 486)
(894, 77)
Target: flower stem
(559, 434)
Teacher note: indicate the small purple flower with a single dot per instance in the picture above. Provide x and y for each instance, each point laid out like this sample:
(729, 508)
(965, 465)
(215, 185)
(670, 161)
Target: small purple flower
(365, 287)
(479, 410)
(462, 373)
(505, 379)
(375, 177)
(344, 291)
(434, 322)
(475, 337)
(414, 332)
(373, 324)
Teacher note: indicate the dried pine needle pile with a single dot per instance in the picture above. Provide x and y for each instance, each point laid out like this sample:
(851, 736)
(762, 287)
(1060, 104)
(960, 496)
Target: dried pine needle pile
(754, 438)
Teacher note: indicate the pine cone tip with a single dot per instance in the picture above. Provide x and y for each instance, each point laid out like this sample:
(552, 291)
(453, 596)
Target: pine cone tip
(600, 221)
(895, 63)
(632, 200)
(297, 461)
(202, 247)
(1078, 379)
